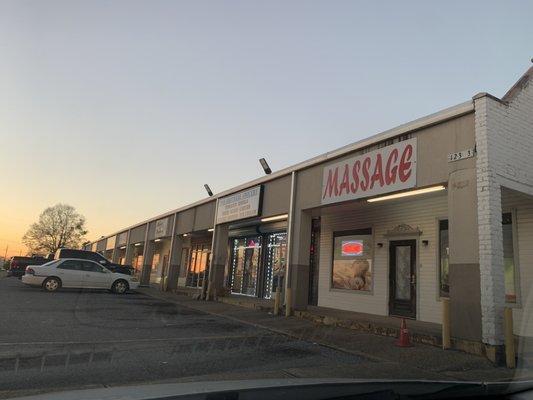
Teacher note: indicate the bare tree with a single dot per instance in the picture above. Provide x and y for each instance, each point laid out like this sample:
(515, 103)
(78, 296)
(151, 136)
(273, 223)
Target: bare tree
(58, 226)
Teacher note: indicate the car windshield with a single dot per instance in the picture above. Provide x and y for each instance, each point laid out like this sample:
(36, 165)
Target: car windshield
(253, 194)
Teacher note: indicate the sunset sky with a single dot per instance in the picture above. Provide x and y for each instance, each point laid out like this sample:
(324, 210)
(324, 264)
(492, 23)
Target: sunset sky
(124, 109)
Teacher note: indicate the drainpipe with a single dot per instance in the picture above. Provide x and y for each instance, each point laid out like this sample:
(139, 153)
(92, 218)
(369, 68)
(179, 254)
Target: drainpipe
(288, 271)
(144, 280)
(170, 273)
(208, 286)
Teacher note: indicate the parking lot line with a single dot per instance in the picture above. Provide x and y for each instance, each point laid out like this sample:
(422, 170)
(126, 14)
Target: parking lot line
(135, 340)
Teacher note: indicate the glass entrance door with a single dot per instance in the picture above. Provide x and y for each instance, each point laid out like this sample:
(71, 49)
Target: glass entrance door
(402, 278)
(276, 260)
(245, 265)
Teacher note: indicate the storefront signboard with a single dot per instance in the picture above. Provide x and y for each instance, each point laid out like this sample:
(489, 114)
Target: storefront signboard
(385, 170)
(244, 204)
(161, 228)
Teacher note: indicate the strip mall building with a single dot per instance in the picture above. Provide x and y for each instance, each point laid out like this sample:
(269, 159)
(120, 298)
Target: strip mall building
(441, 207)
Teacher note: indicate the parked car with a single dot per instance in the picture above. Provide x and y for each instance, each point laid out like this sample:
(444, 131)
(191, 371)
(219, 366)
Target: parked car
(77, 273)
(94, 256)
(18, 264)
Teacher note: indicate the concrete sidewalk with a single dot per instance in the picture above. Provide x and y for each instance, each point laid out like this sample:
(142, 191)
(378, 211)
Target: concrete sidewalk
(421, 360)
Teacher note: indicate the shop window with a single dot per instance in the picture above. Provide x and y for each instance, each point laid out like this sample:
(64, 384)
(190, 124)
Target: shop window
(198, 265)
(509, 262)
(352, 260)
(444, 256)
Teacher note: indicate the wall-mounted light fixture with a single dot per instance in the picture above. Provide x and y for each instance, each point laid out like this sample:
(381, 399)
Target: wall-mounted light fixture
(208, 190)
(406, 194)
(425, 243)
(275, 218)
(185, 234)
(380, 245)
(122, 248)
(157, 240)
(210, 230)
(137, 244)
(265, 166)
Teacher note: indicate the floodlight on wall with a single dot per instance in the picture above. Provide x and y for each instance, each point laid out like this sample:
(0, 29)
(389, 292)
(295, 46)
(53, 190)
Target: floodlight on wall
(137, 244)
(157, 240)
(122, 248)
(265, 166)
(208, 190)
(406, 194)
(185, 234)
(210, 230)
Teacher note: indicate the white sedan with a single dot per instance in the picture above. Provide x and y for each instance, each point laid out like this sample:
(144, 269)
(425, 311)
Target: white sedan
(77, 273)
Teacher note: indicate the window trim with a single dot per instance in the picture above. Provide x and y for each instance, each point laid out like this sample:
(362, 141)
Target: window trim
(350, 232)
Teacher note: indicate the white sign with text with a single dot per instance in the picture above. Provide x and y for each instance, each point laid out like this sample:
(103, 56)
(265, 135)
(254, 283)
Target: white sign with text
(461, 155)
(240, 205)
(161, 228)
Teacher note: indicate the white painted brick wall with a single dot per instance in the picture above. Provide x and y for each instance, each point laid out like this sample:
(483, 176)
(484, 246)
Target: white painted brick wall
(504, 140)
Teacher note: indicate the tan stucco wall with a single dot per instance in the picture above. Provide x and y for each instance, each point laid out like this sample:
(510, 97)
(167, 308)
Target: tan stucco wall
(433, 146)
(185, 221)
(205, 216)
(276, 196)
(137, 234)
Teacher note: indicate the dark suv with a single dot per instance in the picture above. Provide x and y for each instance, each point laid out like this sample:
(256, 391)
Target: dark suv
(17, 265)
(93, 256)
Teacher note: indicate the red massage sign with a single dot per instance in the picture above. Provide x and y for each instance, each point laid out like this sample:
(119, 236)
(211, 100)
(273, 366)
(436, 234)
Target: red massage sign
(385, 170)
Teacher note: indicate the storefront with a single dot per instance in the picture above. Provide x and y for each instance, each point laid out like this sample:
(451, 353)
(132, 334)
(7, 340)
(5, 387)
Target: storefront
(257, 240)
(137, 258)
(257, 264)
(156, 252)
(119, 254)
(135, 250)
(160, 260)
(198, 259)
(110, 247)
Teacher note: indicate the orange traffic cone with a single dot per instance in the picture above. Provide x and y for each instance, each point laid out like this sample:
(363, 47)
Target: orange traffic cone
(403, 340)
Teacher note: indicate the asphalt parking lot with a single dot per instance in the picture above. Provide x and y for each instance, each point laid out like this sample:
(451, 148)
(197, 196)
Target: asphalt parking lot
(75, 339)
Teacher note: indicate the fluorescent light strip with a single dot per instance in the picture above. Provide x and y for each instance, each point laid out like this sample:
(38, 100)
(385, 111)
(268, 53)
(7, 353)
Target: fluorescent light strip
(210, 230)
(157, 240)
(275, 218)
(407, 194)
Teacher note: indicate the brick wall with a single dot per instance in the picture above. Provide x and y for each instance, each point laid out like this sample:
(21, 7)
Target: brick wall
(504, 141)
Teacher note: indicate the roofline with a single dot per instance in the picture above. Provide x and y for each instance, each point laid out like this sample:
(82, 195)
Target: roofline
(414, 125)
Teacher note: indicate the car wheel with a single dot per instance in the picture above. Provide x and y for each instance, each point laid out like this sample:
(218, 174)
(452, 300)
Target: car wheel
(120, 286)
(51, 284)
